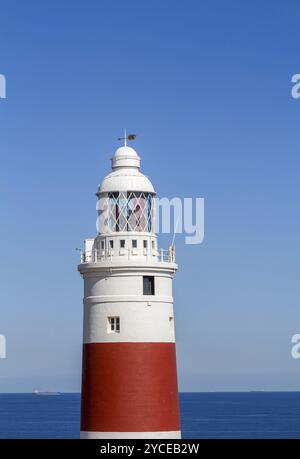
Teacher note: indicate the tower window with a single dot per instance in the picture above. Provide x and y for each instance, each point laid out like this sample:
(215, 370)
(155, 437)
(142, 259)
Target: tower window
(145, 244)
(153, 244)
(134, 243)
(113, 325)
(122, 243)
(102, 245)
(111, 244)
(148, 285)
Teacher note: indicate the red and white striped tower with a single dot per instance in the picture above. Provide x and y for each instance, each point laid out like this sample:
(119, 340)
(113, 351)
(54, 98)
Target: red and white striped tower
(129, 379)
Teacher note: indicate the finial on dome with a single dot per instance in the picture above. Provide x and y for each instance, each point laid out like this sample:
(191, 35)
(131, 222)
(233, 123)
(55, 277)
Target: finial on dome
(127, 137)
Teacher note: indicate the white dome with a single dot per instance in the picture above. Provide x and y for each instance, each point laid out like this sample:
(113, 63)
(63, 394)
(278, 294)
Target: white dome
(125, 151)
(125, 157)
(126, 175)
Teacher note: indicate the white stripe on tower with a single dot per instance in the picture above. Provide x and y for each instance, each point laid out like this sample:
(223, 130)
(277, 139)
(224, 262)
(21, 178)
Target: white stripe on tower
(136, 435)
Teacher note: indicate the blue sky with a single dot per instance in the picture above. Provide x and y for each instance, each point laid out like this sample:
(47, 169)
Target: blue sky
(206, 86)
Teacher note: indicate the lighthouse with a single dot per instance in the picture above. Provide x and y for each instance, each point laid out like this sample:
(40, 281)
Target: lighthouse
(129, 377)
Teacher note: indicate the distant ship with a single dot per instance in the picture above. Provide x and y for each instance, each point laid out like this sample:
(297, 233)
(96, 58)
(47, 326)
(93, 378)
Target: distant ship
(37, 392)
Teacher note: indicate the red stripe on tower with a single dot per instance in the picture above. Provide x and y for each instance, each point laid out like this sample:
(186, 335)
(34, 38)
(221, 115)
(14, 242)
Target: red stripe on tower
(129, 387)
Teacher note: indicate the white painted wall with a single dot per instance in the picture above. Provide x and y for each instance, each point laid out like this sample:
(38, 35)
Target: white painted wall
(139, 322)
(128, 283)
(143, 318)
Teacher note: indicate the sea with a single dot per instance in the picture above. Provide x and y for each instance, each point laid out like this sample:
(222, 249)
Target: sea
(203, 415)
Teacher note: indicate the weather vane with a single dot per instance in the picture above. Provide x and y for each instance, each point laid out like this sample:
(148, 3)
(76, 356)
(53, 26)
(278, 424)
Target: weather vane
(127, 137)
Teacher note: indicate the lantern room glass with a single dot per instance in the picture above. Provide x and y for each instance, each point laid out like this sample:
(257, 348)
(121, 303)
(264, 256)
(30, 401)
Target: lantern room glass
(130, 212)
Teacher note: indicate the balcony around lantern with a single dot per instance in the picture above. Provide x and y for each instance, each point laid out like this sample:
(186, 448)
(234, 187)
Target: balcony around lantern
(128, 254)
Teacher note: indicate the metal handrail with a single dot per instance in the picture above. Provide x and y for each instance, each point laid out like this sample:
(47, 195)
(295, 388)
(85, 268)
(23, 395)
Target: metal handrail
(95, 256)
